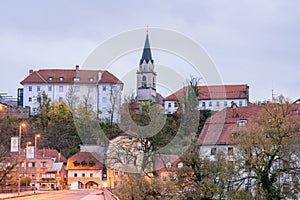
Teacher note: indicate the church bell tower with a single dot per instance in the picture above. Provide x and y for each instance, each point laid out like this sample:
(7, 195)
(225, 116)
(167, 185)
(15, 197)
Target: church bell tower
(146, 76)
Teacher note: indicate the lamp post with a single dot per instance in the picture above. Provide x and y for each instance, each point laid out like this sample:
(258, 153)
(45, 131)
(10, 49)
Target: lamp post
(21, 125)
(35, 146)
(26, 176)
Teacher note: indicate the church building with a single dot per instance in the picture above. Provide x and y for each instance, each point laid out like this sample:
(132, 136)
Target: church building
(146, 76)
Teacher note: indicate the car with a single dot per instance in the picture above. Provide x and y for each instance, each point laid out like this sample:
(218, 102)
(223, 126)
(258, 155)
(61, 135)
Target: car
(45, 188)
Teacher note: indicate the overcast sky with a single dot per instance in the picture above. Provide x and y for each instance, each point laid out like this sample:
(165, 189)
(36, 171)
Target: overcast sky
(254, 42)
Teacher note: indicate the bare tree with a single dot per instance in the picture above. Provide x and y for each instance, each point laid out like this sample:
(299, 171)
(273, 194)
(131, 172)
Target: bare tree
(268, 152)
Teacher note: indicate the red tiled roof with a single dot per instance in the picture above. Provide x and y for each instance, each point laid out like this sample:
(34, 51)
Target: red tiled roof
(92, 161)
(86, 76)
(215, 92)
(108, 77)
(217, 128)
(52, 153)
(163, 159)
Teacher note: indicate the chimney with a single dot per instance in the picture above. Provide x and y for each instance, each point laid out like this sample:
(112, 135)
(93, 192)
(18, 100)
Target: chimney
(30, 71)
(99, 76)
(77, 68)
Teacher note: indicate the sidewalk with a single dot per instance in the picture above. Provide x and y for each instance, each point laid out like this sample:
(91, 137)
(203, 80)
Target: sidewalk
(22, 194)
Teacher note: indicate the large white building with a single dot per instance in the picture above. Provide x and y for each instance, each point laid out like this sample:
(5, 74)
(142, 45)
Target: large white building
(100, 89)
(214, 97)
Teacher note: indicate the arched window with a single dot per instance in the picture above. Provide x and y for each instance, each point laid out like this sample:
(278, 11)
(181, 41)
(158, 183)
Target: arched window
(144, 82)
(153, 82)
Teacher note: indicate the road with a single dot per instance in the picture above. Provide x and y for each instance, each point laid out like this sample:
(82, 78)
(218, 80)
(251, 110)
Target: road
(66, 195)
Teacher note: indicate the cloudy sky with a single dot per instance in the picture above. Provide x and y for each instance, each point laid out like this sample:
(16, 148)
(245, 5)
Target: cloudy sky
(255, 42)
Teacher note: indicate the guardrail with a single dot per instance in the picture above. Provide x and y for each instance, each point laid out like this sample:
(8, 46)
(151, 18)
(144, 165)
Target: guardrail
(109, 196)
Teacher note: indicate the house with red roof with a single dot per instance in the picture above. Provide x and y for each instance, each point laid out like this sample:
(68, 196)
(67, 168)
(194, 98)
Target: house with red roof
(217, 130)
(213, 97)
(85, 171)
(101, 89)
(47, 169)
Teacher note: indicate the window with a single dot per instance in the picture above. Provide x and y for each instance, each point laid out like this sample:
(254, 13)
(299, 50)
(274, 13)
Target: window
(91, 174)
(30, 88)
(242, 122)
(180, 165)
(44, 164)
(104, 99)
(175, 104)
(240, 103)
(83, 174)
(203, 104)
(144, 82)
(60, 99)
(104, 87)
(91, 89)
(61, 88)
(33, 164)
(169, 105)
(230, 151)
(76, 79)
(210, 104)
(116, 172)
(229, 186)
(168, 165)
(225, 103)
(213, 151)
(76, 89)
(75, 174)
(248, 187)
(61, 79)
(217, 103)
(38, 88)
(30, 99)
(49, 88)
(50, 78)
(153, 82)
(50, 99)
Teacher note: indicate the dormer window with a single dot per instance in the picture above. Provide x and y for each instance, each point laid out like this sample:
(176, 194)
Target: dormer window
(76, 163)
(61, 79)
(241, 122)
(50, 78)
(83, 163)
(76, 79)
(168, 165)
(91, 79)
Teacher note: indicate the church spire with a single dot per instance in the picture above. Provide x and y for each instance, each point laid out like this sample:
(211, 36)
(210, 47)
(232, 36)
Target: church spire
(146, 51)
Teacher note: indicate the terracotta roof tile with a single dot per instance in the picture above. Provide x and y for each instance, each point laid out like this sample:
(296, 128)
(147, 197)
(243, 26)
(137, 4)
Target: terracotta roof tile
(84, 160)
(217, 128)
(215, 92)
(52, 153)
(68, 75)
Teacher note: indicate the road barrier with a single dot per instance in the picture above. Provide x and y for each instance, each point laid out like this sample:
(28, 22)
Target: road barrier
(109, 196)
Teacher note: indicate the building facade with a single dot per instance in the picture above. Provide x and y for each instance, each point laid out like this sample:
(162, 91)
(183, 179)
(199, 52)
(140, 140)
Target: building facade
(216, 97)
(100, 89)
(85, 171)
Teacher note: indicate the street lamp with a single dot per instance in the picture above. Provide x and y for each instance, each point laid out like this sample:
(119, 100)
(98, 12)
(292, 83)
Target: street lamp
(2, 107)
(35, 140)
(21, 125)
(35, 146)
(26, 176)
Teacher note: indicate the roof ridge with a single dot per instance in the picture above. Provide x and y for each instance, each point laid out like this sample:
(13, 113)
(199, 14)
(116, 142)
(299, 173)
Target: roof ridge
(41, 76)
